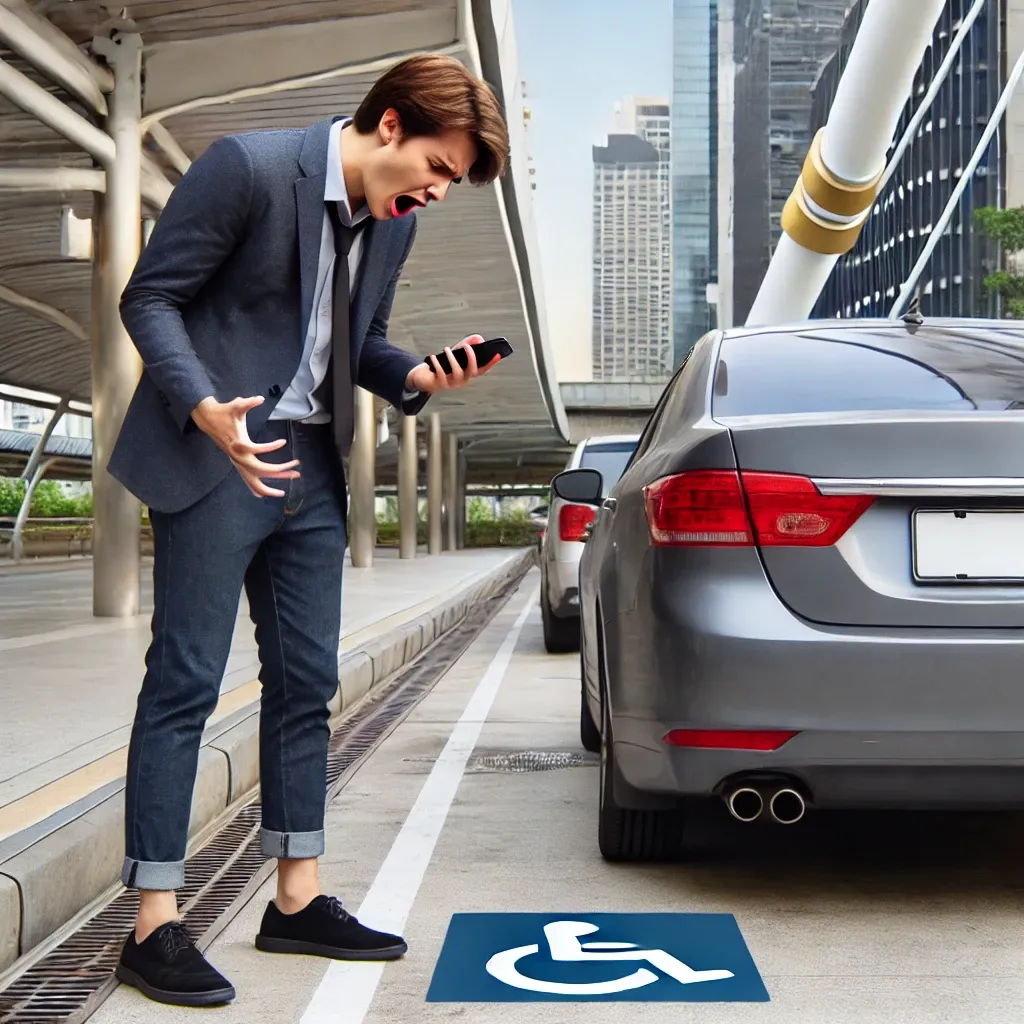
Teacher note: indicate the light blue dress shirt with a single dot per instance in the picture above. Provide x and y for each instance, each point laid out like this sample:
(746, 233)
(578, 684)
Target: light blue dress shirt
(299, 401)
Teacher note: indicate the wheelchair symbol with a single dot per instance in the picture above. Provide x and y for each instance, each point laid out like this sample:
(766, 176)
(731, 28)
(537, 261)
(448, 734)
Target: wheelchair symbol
(563, 940)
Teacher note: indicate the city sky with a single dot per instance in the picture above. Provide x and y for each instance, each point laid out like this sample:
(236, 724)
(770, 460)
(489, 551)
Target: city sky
(578, 57)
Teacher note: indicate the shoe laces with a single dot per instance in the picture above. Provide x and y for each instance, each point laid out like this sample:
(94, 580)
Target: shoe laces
(335, 909)
(173, 940)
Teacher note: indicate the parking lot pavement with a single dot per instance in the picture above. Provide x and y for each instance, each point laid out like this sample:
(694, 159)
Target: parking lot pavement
(483, 803)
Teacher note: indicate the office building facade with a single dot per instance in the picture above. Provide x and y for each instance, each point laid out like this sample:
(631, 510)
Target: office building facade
(867, 280)
(770, 52)
(632, 246)
(694, 170)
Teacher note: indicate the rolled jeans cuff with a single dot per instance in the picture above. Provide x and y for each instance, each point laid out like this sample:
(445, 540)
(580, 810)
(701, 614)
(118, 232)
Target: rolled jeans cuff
(160, 876)
(292, 845)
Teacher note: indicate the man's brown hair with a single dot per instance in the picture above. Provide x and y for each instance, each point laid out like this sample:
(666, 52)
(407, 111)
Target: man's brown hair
(432, 93)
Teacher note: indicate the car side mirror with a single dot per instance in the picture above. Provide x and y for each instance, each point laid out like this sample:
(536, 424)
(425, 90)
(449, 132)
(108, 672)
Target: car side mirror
(580, 486)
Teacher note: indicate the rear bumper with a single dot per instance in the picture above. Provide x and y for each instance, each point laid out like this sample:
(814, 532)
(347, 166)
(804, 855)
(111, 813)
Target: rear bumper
(564, 589)
(970, 779)
(897, 718)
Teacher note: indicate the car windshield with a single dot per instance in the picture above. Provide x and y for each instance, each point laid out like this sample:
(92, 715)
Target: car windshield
(608, 459)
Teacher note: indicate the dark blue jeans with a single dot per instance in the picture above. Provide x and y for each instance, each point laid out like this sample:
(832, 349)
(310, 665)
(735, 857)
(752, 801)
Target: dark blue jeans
(288, 554)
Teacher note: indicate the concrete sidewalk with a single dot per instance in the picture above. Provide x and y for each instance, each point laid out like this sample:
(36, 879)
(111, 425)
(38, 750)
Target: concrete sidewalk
(68, 685)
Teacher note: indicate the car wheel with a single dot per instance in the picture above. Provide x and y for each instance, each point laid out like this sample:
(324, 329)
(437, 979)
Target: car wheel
(590, 734)
(628, 835)
(561, 636)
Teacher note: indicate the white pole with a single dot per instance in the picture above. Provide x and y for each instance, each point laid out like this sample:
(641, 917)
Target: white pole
(933, 90)
(936, 235)
(47, 49)
(47, 108)
(839, 182)
(52, 179)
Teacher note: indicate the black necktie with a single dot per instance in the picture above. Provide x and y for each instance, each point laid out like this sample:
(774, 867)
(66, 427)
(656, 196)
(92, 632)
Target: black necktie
(338, 388)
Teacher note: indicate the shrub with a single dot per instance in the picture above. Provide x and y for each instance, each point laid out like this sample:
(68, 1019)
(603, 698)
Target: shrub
(49, 500)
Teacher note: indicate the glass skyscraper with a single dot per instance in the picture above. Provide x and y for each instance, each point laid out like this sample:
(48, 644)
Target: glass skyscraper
(694, 169)
(777, 49)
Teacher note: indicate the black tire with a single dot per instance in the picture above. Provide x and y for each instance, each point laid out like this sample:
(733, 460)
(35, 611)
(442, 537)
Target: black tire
(590, 734)
(625, 835)
(561, 636)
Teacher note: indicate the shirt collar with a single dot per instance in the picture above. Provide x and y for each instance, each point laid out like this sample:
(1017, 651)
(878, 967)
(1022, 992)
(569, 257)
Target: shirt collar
(335, 190)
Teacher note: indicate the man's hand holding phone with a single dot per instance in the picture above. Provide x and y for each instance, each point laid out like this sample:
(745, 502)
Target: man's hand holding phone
(224, 424)
(430, 377)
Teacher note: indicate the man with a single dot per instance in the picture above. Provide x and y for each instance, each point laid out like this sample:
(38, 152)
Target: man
(261, 300)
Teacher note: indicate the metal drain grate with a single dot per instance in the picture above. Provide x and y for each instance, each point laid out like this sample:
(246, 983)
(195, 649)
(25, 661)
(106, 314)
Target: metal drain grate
(522, 761)
(72, 981)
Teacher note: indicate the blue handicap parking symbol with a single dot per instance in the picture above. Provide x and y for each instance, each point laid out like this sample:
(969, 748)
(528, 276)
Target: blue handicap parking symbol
(506, 958)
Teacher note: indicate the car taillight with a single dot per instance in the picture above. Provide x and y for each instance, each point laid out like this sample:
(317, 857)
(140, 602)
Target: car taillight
(730, 739)
(790, 510)
(573, 521)
(730, 509)
(704, 507)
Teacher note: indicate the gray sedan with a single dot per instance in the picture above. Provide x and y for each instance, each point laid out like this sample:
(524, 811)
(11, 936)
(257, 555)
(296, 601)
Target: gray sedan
(807, 588)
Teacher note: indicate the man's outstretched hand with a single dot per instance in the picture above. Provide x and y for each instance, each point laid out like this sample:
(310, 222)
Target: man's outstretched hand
(224, 423)
(432, 379)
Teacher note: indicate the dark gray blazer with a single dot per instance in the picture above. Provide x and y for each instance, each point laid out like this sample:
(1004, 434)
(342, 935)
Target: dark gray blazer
(220, 301)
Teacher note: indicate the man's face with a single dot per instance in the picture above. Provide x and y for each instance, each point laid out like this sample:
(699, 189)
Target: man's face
(405, 174)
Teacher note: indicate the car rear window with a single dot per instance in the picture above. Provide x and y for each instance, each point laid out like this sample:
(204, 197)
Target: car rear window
(608, 459)
(862, 370)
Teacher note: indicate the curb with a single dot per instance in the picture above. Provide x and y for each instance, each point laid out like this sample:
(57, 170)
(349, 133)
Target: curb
(47, 884)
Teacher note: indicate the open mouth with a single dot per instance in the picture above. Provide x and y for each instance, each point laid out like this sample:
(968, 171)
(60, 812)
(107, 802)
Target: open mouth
(401, 205)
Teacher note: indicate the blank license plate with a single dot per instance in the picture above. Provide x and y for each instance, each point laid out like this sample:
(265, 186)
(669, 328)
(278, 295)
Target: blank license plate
(966, 546)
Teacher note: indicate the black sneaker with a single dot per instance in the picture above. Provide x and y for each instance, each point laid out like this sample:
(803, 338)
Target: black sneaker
(325, 928)
(168, 968)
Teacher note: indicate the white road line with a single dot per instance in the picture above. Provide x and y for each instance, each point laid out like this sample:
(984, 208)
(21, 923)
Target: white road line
(347, 989)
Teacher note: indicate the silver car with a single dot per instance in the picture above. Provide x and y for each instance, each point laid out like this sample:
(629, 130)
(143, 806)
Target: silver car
(562, 542)
(807, 588)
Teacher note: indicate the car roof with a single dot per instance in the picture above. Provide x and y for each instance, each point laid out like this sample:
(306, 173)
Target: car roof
(961, 325)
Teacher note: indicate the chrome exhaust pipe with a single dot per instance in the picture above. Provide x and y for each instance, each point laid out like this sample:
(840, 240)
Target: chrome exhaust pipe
(745, 804)
(787, 806)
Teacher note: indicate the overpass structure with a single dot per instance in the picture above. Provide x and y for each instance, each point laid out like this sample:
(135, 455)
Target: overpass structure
(102, 109)
(598, 408)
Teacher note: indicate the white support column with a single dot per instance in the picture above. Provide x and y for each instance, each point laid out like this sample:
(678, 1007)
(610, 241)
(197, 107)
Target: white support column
(37, 453)
(18, 541)
(31, 97)
(408, 488)
(451, 492)
(363, 483)
(115, 362)
(52, 179)
(434, 483)
(50, 51)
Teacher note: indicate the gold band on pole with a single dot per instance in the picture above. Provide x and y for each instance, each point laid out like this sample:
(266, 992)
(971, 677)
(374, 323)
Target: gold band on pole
(839, 198)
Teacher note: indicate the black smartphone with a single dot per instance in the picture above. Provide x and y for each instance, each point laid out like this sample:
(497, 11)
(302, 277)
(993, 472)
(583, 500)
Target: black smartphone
(485, 351)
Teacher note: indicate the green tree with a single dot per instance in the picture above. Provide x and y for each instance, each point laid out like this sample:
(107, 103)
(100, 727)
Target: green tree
(1007, 228)
(12, 494)
(479, 510)
(390, 512)
(49, 500)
